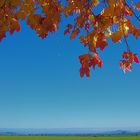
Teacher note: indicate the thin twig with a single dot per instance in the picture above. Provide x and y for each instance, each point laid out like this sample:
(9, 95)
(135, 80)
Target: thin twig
(125, 39)
(128, 48)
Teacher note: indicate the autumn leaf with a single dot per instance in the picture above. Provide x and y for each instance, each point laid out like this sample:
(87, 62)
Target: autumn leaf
(125, 66)
(74, 33)
(117, 36)
(18, 27)
(128, 11)
(138, 5)
(69, 26)
(66, 31)
(129, 57)
(135, 58)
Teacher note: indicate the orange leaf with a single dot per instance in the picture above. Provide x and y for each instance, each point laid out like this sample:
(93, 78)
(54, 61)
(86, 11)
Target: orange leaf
(74, 33)
(117, 36)
(138, 6)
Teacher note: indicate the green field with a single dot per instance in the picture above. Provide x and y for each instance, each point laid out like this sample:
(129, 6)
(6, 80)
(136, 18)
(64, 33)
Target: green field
(67, 138)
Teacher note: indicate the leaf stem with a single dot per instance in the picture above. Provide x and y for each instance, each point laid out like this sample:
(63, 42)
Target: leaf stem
(127, 45)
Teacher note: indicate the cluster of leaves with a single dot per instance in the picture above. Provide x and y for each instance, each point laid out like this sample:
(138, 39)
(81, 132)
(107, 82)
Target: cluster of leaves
(43, 16)
(87, 61)
(113, 22)
(129, 58)
(98, 28)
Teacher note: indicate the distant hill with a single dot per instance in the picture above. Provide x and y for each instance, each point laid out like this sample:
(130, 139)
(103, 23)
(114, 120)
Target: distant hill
(67, 131)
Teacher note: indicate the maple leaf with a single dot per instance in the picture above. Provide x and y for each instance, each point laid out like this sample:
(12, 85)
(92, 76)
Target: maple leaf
(84, 40)
(18, 27)
(66, 31)
(117, 36)
(138, 6)
(85, 71)
(128, 11)
(136, 33)
(125, 66)
(69, 26)
(135, 58)
(126, 55)
(74, 33)
(82, 72)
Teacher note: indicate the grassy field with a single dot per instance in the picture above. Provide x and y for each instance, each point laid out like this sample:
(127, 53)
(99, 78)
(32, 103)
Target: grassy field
(67, 138)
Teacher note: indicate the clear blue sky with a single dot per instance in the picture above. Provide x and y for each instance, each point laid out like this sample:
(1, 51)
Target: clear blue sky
(40, 86)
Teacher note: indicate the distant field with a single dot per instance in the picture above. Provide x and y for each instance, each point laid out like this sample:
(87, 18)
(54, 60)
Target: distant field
(67, 138)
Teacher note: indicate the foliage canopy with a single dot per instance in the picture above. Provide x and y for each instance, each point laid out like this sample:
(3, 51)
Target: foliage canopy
(114, 21)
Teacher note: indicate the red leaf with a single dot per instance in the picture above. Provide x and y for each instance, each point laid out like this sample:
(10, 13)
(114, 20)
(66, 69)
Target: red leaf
(87, 72)
(100, 63)
(125, 65)
(18, 28)
(136, 60)
(82, 72)
(56, 9)
(69, 26)
(102, 48)
(66, 31)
